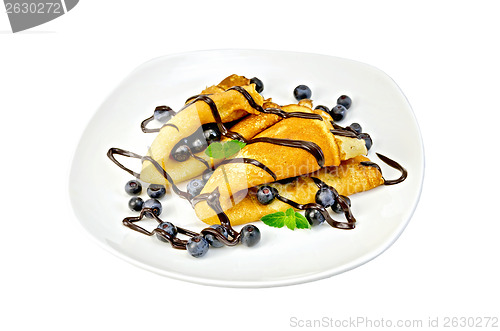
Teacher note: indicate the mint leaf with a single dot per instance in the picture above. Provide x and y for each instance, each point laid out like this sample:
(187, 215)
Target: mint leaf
(301, 221)
(215, 150)
(219, 150)
(232, 147)
(292, 219)
(276, 220)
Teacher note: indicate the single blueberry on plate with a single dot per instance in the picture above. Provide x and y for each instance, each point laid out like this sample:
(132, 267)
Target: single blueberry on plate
(135, 204)
(338, 113)
(197, 246)
(314, 216)
(302, 92)
(212, 240)
(156, 191)
(133, 187)
(250, 235)
(154, 205)
(169, 228)
(345, 101)
(259, 86)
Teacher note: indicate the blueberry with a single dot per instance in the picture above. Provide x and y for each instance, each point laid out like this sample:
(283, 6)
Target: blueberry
(266, 194)
(314, 216)
(250, 235)
(135, 204)
(133, 187)
(206, 175)
(198, 145)
(169, 228)
(211, 133)
(212, 240)
(345, 101)
(338, 113)
(302, 92)
(162, 114)
(195, 186)
(325, 197)
(337, 208)
(197, 246)
(156, 191)
(155, 205)
(181, 153)
(323, 108)
(356, 127)
(368, 140)
(259, 86)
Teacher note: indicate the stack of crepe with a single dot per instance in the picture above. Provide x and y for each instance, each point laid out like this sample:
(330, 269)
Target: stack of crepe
(340, 165)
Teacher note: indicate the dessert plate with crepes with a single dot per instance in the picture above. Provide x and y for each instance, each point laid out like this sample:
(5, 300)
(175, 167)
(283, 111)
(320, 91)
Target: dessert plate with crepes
(289, 147)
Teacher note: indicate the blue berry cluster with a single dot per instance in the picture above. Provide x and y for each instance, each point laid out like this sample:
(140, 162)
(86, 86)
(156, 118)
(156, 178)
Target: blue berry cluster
(154, 191)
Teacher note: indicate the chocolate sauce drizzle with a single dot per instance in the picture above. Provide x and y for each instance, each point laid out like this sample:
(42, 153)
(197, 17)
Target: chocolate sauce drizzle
(213, 198)
(215, 113)
(196, 157)
(309, 146)
(392, 164)
(274, 111)
(111, 154)
(174, 241)
(344, 131)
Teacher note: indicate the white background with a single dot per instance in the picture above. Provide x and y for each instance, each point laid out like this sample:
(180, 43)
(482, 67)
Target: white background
(444, 56)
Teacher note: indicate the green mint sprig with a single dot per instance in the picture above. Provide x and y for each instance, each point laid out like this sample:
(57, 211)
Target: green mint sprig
(224, 150)
(290, 218)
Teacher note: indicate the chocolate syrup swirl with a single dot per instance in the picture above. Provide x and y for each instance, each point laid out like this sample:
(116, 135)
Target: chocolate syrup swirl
(309, 146)
(212, 200)
(343, 204)
(274, 111)
(196, 157)
(215, 113)
(344, 133)
(188, 100)
(174, 241)
(111, 154)
(392, 164)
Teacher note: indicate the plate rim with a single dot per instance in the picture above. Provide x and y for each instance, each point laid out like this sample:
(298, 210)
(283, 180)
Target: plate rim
(359, 261)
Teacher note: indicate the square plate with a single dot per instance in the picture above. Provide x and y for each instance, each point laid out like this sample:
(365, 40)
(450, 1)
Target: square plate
(283, 257)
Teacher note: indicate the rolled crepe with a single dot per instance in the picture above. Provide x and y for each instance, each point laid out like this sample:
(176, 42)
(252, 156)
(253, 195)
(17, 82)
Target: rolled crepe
(348, 178)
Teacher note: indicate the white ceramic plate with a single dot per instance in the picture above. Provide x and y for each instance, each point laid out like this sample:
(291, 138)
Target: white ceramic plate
(283, 257)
